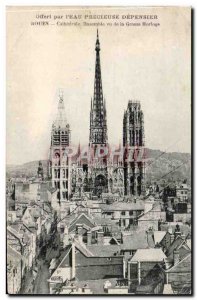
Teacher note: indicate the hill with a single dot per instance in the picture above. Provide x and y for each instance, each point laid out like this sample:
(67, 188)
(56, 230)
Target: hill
(159, 166)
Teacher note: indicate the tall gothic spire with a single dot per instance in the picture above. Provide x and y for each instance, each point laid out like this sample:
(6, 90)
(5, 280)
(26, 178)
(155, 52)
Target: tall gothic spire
(60, 120)
(98, 124)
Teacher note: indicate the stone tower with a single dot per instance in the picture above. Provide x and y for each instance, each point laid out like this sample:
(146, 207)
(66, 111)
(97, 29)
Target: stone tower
(134, 142)
(40, 172)
(59, 161)
(98, 178)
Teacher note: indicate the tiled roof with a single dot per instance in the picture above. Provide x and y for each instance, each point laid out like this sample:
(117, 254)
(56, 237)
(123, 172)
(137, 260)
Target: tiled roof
(104, 250)
(158, 236)
(137, 240)
(125, 206)
(177, 243)
(185, 268)
(152, 255)
(81, 219)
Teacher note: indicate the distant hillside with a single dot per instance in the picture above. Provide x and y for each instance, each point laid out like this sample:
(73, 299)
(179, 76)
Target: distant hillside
(166, 166)
(27, 169)
(159, 164)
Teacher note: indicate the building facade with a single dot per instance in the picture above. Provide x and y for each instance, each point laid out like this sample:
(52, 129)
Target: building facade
(102, 171)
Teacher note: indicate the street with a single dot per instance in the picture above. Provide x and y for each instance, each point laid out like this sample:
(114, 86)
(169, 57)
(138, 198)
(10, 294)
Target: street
(41, 285)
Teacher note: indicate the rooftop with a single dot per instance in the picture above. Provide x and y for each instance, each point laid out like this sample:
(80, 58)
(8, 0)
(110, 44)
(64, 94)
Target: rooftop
(125, 206)
(151, 255)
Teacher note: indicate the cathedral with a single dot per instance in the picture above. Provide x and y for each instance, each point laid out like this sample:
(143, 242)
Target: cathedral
(102, 171)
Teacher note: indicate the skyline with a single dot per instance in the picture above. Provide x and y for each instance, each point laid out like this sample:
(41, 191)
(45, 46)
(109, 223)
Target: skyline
(158, 77)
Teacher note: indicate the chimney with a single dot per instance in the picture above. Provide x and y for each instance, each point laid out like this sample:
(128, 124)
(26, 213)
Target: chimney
(171, 238)
(80, 232)
(100, 236)
(176, 256)
(89, 237)
(167, 263)
(176, 234)
(177, 231)
(149, 233)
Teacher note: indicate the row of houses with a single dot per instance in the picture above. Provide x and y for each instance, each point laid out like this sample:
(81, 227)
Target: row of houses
(128, 263)
(108, 245)
(25, 229)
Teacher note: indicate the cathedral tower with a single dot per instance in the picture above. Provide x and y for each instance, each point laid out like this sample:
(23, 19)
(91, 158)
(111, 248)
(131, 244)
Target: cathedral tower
(98, 177)
(59, 162)
(98, 122)
(134, 142)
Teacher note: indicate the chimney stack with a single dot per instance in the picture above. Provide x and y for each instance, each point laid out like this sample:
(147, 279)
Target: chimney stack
(80, 232)
(176, 256)
(100, 236)
(167, 263)
(89, 237)
(177, 232)
(171, 238)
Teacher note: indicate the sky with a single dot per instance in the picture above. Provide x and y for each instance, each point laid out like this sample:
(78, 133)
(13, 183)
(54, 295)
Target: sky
(151, 64)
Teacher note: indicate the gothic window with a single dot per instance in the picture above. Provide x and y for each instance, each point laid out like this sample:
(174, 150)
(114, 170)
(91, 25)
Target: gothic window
(132, 185)
(130, 137)
(56, 173)
(85, 167)
(110, 183)
(140, 137)
(133, 138)
(139, 185)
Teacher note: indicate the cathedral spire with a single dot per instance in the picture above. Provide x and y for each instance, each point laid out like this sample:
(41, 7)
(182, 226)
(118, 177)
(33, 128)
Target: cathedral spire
(98, 128)
(60, 121)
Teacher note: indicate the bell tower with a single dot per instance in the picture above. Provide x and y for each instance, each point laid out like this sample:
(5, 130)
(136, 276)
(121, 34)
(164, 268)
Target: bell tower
(59, 161)
(134, 142)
